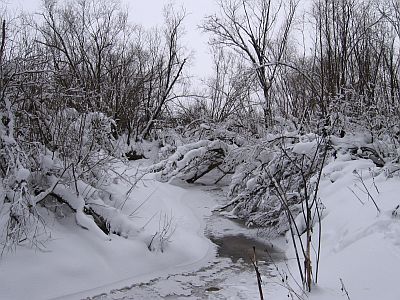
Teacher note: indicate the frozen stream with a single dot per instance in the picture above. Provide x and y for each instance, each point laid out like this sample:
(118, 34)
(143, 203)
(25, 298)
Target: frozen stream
(230, 275)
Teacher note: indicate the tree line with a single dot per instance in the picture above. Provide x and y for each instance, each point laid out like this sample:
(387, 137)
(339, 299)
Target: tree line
(85, 55)
(347, 68)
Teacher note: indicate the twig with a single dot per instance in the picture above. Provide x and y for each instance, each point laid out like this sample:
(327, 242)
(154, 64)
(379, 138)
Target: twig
(259, 280)
(343, 289)
(143, 202)
(362, 202)
(367, 190)
(152, 217)
(373, 182)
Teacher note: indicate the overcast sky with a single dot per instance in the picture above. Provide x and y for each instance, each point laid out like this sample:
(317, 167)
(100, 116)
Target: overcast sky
(149, 13)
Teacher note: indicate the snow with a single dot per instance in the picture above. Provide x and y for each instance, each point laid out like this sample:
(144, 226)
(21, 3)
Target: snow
(76, 263)
(360, 246)
(22, 174)
(306, 148)
(182, 157)
(88, 223)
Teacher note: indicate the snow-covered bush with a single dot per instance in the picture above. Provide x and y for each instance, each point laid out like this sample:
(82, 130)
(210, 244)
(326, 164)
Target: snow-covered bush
(274, 179)
(192, 161)
(198, 149)
(62, 171)
(260, 172)
(19, 218)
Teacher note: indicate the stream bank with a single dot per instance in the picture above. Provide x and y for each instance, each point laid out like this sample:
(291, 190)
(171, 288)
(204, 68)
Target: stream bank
(230, 275)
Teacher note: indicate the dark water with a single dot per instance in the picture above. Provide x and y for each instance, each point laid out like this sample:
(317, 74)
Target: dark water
(240, 246)
(234, 261)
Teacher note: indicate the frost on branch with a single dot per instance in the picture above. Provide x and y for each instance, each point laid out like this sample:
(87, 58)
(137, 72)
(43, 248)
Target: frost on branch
(276, 165)
(258, 172)
(192, 161)
(63, 175)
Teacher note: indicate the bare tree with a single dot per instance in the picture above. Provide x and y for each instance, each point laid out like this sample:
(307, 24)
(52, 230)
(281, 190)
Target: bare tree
(256, 30)
(230, 88)
(79, 37)
(168, 68)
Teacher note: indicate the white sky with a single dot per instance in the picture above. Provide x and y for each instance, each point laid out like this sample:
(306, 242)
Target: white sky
(149, 13)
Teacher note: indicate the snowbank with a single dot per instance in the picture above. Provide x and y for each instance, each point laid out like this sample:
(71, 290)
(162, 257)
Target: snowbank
(360, 246)
(76, 263)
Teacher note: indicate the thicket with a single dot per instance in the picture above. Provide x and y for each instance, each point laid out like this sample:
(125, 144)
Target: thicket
(80, 85)
(274, 115)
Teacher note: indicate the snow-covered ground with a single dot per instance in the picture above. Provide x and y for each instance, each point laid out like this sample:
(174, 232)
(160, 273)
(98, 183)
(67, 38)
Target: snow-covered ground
(229, 275)
(359, 255)
(360, 252)
(74, 263)
(360, 245)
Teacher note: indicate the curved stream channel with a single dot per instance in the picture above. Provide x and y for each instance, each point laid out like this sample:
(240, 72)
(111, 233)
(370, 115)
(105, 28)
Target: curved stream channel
(230, 275)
